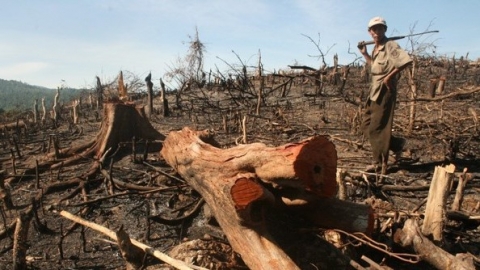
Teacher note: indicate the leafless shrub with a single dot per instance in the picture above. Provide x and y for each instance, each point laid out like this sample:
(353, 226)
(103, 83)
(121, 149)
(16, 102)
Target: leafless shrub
(189, 69)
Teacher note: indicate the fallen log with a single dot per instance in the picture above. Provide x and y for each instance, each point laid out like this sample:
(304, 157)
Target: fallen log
(410, 236)
(13, 125)
(238, 182)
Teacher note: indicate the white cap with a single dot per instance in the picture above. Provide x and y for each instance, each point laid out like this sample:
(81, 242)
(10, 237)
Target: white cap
(375, 21)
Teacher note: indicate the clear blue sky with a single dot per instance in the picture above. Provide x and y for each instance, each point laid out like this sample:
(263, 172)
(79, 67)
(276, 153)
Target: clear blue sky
(46, 41)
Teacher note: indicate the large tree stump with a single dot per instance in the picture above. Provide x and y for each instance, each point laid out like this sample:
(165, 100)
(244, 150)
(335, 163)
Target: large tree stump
(121, 122)
(236, 182)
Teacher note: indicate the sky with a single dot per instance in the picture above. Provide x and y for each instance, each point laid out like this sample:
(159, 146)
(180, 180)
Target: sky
(54, 43)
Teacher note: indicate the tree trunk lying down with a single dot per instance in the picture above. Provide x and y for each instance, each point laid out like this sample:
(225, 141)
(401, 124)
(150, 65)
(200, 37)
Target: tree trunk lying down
(236, 182)
(411, 236)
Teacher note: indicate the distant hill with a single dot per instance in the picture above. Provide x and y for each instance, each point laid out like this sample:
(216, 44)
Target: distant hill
(19, 96)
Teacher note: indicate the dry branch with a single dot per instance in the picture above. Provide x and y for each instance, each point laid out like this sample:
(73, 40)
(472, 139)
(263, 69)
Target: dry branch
(461, 92)
(410, 236)
(462, 181)
(149, 250)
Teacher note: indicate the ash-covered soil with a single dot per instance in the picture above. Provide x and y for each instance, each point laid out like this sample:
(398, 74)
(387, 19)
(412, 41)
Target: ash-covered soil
(155, 206)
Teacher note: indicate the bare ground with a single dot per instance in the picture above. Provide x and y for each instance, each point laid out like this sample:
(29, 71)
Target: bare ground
(445, 131)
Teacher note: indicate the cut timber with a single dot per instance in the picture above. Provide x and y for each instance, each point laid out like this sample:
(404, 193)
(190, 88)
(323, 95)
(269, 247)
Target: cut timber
(435, 209)
(333, 213)
(236, 181)
(121, 122)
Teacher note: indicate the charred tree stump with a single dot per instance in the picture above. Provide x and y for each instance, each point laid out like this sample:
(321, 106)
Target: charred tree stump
(432, 87)
(75, 109)
(435, 209)
(99, 92)
(462, 182)
(122, 90)
(55, 109)
(440, 85)
(20, 244)
(44, 111)
(166, 111)
(237, 182)
(35, 111)
(5, 197)
(148, 80)
(121, 122)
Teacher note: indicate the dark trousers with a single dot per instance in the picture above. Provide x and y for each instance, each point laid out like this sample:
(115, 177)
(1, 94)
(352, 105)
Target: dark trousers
(377, 124)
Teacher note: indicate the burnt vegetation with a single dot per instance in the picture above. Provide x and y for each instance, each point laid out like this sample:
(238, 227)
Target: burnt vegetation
(97, 161)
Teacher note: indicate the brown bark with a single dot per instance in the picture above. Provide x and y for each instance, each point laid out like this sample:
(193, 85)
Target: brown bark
(133, 255)
(441, 85)
(35, 111)
(121, 122)
(44, 111)
(20, 244)
(435, 208)
(432, 87)
(413, 95)
(122, 90)
(462, 181)
(148, 80)
(16, 124)
(166, 111)
(55, 109)
(332, 213)
(235, 182)
(75, 109)
(410, 236)
(99, 92)
(5, 197)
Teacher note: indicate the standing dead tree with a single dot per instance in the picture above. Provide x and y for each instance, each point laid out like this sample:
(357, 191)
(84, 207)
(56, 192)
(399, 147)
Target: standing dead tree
(188, 72)
(44, 111)
(55, 109)
(99, 91)
(148, 81)
(417, 49)
(164, 100)
(35, 111)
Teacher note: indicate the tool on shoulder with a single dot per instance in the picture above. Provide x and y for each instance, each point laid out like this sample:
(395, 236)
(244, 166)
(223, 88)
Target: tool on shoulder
(364, 43)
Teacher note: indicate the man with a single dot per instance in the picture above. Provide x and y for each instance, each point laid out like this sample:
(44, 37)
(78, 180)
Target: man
(386, 62)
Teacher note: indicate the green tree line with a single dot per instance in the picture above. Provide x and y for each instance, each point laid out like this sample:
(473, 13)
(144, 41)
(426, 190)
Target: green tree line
(19, 96)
